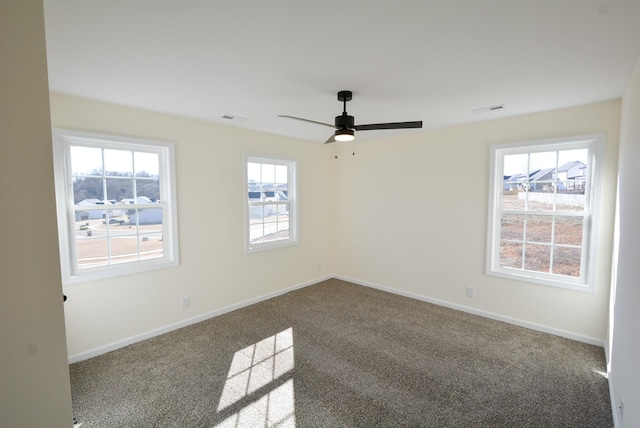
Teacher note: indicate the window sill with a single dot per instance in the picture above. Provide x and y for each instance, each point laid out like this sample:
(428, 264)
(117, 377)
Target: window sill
(552, 282)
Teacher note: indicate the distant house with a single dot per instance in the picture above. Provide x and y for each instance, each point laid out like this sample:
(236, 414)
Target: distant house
(574, 174)
(143, 215)
(570, 175)
(542, 180)
(514, 182)
(261, 211)
(91, 214)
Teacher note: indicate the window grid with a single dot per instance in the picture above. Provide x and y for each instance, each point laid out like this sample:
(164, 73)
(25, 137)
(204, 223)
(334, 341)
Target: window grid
(271, 202)
(102, 231)
(547, 238)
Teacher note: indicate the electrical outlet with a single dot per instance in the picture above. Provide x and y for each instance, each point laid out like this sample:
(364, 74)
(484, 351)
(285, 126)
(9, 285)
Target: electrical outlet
(319, 266)
(621, 407)
(186, 302)
(468, 291)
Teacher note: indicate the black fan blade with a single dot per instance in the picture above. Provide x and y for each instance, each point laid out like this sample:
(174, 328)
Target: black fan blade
(306, 120)
(394, 125)
(331, 139)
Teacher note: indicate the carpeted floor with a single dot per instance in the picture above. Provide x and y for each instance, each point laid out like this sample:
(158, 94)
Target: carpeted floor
(337, 354)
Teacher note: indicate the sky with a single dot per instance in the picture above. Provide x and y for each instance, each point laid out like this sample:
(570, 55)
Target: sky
(84, 160)
(266, 173)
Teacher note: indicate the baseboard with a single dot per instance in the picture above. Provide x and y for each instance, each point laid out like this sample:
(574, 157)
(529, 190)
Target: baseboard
(205, 316)
(486, 314)
(184, 323)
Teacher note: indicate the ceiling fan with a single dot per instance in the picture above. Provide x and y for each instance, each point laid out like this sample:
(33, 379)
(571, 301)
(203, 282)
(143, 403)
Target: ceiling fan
(344, 124)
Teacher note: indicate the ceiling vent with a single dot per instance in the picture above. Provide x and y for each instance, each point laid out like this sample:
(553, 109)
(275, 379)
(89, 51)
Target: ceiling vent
(491, 108)
(234, 118)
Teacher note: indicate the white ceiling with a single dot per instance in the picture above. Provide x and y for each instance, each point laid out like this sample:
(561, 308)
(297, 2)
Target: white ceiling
(404, 60)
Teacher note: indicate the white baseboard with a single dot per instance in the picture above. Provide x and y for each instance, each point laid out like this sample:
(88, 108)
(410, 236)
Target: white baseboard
(184, 323)
(486, 314)
(202, 317)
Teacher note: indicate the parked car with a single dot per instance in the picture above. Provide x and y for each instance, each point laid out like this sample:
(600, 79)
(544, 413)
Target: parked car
(114, 221)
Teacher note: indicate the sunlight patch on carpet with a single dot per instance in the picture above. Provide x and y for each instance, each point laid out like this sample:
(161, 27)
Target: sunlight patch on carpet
(274, 409)
(256, 367)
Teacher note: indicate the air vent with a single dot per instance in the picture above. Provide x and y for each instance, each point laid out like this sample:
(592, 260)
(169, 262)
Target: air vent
(491, 108)
(234, 118)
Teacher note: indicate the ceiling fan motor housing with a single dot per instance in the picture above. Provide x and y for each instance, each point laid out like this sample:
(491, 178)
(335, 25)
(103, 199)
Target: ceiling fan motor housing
(344, 121)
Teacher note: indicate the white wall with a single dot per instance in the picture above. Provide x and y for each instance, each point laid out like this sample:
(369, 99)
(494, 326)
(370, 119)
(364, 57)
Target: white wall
(215, 271)
(412, 216)
(624, 355)
(34, 376)
(387, 216)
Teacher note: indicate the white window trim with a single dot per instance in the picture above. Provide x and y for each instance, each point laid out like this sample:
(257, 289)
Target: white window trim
(292, 164)
(596, 145)
(62, 140)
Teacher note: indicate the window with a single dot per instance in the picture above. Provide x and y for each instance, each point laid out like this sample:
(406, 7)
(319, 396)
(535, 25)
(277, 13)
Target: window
(271, 203)
(542, 211)
(115, 200)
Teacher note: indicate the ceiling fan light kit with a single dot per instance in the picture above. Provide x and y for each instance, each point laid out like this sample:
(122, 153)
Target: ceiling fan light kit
(344, 134)
(345, 124)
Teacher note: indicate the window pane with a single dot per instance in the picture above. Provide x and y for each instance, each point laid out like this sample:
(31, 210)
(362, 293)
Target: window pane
(87, 188)
(512, 227)
(542, 164)
(253, 172)
(283, 212)
(513, 199)
(575, 186)
(566, 261)
(270, 228)
(511, 255)
(281, 174)
(91, 252)
(570, 196)
(148, 188)
(146, 216)
(270, 211)
(146, 164)
(119, 189)
(256, 232)
(89, 223)
(572, 163)
(537, 258)
(124, 248)
(151, 246)
(283, 230)
(118, 163)
(268, 175)
(86, 160)
(568, 230)
(515, 165)
(256, 214)
(116, 217)
(540, 200)
(539, 228)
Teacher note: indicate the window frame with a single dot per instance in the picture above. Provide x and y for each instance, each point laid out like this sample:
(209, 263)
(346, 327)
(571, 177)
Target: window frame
(595, 144)
(292, 201)
(63, 139)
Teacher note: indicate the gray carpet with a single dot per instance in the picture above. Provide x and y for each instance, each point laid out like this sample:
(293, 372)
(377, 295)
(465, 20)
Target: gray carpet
(337, 354)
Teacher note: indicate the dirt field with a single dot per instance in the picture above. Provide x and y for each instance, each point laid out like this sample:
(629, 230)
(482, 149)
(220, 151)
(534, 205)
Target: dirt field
(92, 243)
(567, 233)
